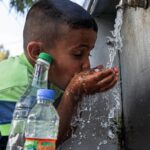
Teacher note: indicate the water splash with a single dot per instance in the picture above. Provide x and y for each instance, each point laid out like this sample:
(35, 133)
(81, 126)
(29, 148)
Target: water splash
(115, 42)
(114, 46)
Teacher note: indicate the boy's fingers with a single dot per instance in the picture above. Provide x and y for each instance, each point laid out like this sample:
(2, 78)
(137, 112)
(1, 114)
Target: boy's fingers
(116, 69)
(98, 68)
(103, 74)
(104, 84)
(106, 80)
(110, 84)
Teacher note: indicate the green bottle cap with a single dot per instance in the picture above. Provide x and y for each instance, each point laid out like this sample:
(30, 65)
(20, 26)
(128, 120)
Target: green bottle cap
(46, 57)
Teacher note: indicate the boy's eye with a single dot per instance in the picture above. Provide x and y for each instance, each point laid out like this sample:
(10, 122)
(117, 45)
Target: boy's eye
(79, 53)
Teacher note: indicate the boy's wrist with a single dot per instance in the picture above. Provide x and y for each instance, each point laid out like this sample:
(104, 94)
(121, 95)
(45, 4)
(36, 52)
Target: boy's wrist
(73, 92)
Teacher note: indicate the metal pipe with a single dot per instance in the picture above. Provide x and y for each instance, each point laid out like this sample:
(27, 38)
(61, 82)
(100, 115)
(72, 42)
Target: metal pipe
(98, 7)
(136, 3)
(87, 4)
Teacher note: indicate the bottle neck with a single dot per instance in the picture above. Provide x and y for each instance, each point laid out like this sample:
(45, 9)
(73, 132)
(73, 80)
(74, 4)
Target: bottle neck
(40, 76)
(45, 102)
(39, 81)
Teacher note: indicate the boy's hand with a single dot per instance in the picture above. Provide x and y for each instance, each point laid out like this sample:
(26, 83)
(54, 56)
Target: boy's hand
(92, 81)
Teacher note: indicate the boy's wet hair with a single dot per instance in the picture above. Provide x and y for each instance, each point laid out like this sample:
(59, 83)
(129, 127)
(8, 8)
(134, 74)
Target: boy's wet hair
(45, 19)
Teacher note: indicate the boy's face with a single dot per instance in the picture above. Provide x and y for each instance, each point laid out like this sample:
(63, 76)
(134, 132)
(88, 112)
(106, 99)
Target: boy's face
(71, 55)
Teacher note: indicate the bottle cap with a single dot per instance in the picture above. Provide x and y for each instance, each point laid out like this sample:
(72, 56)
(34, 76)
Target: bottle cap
(46, 94)
(46, 57)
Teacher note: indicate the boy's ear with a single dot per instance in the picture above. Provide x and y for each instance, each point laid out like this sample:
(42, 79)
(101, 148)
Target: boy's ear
(33, 50)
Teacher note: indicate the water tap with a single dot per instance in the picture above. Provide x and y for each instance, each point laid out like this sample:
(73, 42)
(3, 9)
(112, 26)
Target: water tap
(134, 3)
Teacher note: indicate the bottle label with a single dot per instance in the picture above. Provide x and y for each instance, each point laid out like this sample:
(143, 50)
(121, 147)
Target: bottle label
(39, 144)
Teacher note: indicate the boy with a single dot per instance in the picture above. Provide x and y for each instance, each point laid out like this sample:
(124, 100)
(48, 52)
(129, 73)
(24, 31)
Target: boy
(67, 32)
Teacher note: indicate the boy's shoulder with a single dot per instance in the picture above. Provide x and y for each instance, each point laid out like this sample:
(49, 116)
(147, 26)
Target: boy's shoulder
(13, 73)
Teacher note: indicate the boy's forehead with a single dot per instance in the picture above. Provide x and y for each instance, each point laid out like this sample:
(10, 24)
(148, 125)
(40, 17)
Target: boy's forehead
(82, 37)
(67, 30)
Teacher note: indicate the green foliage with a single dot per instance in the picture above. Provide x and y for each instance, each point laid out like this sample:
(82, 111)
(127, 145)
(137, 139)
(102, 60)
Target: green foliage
(21, 5)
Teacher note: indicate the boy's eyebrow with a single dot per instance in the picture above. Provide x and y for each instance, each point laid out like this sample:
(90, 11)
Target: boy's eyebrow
(85, 45)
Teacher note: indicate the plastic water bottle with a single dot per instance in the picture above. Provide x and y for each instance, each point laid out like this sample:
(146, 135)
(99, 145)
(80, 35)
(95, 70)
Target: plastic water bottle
(42, 123)
(28, 100)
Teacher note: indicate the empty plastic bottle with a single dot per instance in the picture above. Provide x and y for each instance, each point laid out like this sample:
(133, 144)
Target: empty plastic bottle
(42, 123)
(28, 100)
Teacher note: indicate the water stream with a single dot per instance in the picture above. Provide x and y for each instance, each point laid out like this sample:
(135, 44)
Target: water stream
(101, 125)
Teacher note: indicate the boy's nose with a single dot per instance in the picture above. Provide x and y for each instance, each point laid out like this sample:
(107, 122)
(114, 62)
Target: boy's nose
(86, 64)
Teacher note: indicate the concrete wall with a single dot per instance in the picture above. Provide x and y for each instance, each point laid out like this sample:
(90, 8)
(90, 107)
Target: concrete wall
(135, 64)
